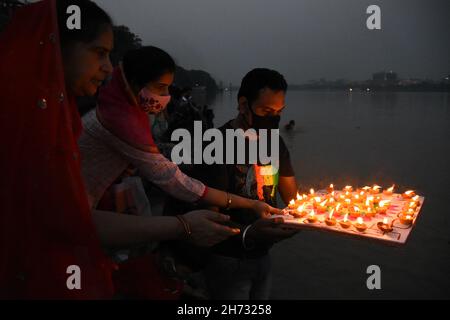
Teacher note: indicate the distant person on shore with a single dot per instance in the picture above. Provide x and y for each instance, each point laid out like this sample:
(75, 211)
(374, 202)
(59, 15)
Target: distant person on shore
(290, 126)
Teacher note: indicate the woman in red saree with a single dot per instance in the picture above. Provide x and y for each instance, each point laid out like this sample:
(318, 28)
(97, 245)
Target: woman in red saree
(46, 226)
(45, 221)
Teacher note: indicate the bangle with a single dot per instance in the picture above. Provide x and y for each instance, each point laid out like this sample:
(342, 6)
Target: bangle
(228, 202)
(186, 226)
(243, 238)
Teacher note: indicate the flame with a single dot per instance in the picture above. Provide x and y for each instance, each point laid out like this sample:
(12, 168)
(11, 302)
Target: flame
(304, 196)
(332, 193)
(299, 197)
(385, 221)
(323, 203)
(370, 198)
(362, 193)
(346, 217)
(332, 200)
(376, 187)
(360, 220)
(411, 211)
(312, 213)
(369, 210)
(317, 199)
(383, 203)
(391, 189)
(348, 188)
(300, 208)
(357, 197)
(408, 217)
(347, 193)
(366, 188)
(331, 214)
(331, 186)
(311, 191)
(338, 206)
(409, 192)
(348, 201)
(416, 198)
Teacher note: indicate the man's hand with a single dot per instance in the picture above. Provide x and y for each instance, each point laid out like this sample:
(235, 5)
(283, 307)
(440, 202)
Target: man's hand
(269, 231)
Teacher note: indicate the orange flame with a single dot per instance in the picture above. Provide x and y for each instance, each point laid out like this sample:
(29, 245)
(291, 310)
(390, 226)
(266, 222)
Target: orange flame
(331, 214)
(383, 203)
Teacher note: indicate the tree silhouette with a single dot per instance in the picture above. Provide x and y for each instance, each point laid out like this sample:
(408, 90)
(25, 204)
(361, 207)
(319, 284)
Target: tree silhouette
(124, 40)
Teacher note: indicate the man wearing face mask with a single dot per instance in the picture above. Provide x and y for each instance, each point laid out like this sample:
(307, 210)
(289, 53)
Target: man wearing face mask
(240, 268)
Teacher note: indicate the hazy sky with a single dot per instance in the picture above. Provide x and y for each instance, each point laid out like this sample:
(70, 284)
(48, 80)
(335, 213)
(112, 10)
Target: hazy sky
(303, 39)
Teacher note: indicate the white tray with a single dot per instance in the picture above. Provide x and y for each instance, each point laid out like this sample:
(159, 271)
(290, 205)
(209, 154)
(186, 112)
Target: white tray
(398, 236)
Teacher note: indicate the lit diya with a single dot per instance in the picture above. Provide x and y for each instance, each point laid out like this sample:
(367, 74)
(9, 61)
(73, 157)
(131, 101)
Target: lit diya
(408, 194)
(291, 204)
(345, 223)
(370, 212)
(389, 191)
(348, 189)
(360, 225)
(382, 206)
(384, 226)
(330, 189)
(406, 219)
(355, 212)
(338, 211)
(316, 202)
(300, 212)
(321, 208)
(312, 217)
(375, 189)
(330, 221)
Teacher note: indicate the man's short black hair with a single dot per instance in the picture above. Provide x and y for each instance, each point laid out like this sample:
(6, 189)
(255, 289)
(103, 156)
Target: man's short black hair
(258, 79)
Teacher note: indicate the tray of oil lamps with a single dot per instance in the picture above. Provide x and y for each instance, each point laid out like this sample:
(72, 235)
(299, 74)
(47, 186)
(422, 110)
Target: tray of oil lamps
(366, 212)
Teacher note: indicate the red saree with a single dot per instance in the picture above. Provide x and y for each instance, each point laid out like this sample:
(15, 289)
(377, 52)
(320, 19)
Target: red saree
(45, 222)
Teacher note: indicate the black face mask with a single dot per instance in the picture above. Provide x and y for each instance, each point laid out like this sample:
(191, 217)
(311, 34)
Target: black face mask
(265, 122)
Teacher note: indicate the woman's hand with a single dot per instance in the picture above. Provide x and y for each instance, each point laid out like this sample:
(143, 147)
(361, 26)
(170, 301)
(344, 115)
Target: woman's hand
(206, 228)
(264, 210)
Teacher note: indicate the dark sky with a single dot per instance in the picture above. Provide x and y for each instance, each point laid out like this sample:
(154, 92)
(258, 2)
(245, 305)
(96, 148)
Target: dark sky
(303, 39)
